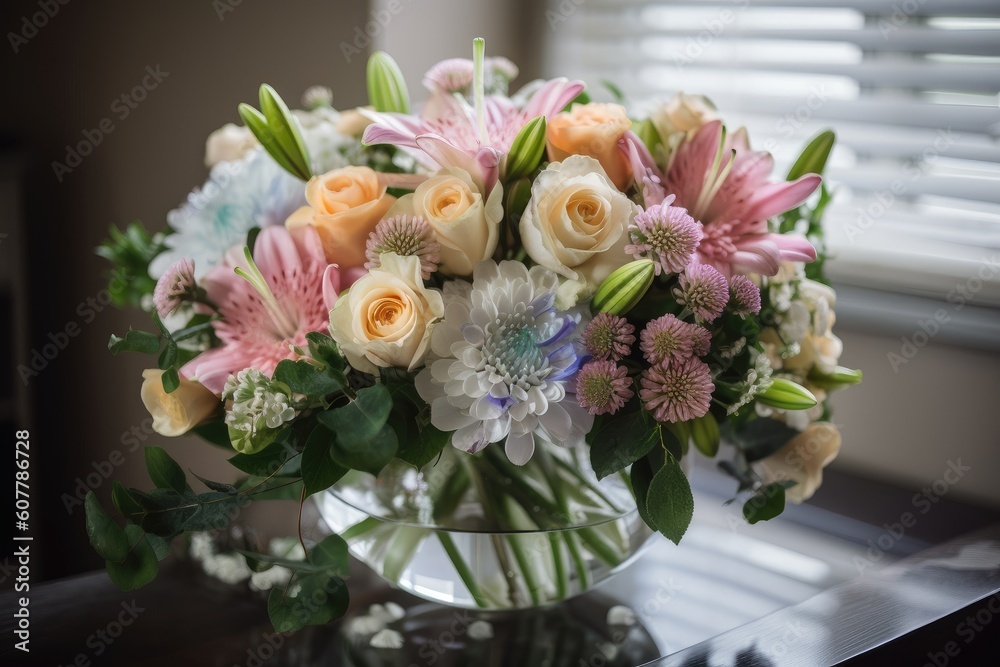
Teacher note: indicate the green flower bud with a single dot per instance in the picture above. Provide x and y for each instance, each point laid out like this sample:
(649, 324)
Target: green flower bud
(278, 132)
(840, 377)
(623, 289)
(386, 87)
(787, 395)
(814, 156)
(705, 434)
(527, 150)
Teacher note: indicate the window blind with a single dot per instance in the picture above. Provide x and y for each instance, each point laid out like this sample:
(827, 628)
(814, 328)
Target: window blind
(910, 87)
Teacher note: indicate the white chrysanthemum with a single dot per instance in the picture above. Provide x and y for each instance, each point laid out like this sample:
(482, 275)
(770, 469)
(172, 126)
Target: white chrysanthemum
(505, 362)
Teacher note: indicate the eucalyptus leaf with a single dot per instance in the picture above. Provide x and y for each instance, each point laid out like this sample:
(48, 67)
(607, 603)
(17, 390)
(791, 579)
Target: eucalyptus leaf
(368, 455)
(106, 536)
(305, 378)
(319, 471)
(139, 566)
(320, 599)
(164, 471)
(767, 503)
(363, 418)
(276, 459)
(170, 380)
(331, 553)
(620, 440)
(425, 448)
(135, 341)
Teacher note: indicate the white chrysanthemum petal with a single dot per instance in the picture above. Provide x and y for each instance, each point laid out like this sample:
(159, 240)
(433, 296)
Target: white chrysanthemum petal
(519, 448)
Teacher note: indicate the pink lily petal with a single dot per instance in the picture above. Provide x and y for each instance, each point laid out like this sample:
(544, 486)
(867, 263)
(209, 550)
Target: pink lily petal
(553, 97)
(648, 175)
(772, 199)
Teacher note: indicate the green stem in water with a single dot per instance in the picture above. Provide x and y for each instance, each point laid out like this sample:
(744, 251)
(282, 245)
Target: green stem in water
(562, 580)
(360, 528)
(462, 568)
(581, 567)
(401, 549)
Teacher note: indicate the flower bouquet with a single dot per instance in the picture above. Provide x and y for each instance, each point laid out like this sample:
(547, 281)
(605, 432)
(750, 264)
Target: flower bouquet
(486, 338)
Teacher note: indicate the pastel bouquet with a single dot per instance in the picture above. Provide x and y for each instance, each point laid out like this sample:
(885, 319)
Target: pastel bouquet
(516, 316)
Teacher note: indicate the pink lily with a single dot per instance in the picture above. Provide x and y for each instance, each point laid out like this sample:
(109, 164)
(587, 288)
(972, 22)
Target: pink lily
(724, 185)
(452, 133)
(289, 293)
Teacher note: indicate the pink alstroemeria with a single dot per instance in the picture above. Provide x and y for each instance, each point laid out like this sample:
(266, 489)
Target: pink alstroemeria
(730, 195)
(448, 133)
(290, 294)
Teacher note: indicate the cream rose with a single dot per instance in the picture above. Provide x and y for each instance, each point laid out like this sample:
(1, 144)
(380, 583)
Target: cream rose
(230, 142)
(576, 221)
(344, 206)
(682, 114)
(466, 226)
(802, 460)
(386, 318)
(181, 410)
(593, 130)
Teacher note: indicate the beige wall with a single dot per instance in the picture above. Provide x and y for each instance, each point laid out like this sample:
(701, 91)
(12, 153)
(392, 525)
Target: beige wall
(907, 426)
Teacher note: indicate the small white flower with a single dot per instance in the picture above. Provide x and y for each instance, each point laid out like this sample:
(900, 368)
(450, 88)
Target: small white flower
(621, 615)
(258, 404)
(387, 639)
(480, 631)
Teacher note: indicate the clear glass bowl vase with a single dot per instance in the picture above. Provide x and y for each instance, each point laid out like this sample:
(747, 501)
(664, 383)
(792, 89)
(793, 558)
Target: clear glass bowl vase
(477, 532)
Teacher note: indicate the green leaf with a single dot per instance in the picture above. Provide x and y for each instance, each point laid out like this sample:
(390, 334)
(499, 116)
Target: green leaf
(168, 357)
(221, 487)
(669, 502)
(164, 511)
(814, 156)
(361, 419)
(620, 440)
(321, 599)
(527, 150)
(123, 501)
(215, 510)
(160, 545)
(324, 349)
(641, 476)
(303, 377)
(277, 489)
(261, 562)
(164, 471)
(276, 459)
(425, 448)
(216, 432)
(139, 566)
(615, 91)
(319, 472)
(106, 536)
(367, 455)
(763, 437)
(170, 380)
(331, 553)
(767, 503)
(135, 341)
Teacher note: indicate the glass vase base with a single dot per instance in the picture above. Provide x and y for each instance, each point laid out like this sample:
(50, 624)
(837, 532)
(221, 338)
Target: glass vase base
(573, 633)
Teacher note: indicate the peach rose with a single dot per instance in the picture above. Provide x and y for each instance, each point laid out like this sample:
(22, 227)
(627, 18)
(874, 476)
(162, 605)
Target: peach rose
(466, 226)
(181, 410)
(344, 206)
(593, 130)
(386, 318)
(802, 460)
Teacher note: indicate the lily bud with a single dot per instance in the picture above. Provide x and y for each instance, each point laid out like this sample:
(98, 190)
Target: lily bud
(386, 87)
(705, 434)
(622, 290)
(787, 395)
(278, 132)
(840, 377)
(527, 150)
